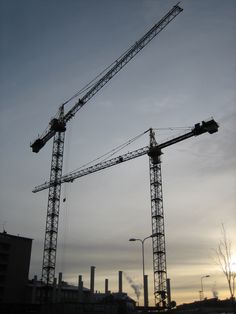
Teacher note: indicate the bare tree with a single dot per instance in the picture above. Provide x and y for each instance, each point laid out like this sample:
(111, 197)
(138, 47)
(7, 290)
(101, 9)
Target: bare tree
(224, 260)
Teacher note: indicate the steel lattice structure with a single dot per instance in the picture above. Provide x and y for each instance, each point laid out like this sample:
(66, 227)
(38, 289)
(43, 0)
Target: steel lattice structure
(158, 226)
(52, 219)
(58, 125)
(157, 212)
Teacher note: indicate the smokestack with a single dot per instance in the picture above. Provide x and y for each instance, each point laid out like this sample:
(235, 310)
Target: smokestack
(34, 289)
(59, 287)
(145, 289)
(80, 288)
(168, 292)
(54, 290)
(92, 275)
(80, 282)
(120, 282)
(106, 286)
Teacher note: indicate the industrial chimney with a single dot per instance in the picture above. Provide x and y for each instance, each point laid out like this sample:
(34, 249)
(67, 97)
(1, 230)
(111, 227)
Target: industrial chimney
(120, 282)
(92, 275)
(80, 288)
(145, 289)
(106, 286)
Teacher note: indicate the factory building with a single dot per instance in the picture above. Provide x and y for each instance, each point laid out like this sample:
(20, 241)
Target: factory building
(18, 293)
(61, 291)
(15, 253)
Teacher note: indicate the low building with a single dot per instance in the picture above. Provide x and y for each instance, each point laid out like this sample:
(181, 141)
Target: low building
(207, 306)
(15, 253)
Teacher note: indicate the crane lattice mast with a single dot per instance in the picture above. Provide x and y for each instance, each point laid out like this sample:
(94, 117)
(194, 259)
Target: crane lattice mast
(158, 226)
(154, 152)
(57, 128)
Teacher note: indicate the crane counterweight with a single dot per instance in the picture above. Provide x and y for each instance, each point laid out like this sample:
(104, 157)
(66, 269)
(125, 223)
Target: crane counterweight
(210, 126)
(37, 145)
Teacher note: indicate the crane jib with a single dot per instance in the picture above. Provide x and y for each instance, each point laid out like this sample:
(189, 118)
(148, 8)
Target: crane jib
(119, 64)
(210, 126)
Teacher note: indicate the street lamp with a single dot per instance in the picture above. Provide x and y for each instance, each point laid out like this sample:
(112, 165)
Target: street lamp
(201, 291)
(142, 242)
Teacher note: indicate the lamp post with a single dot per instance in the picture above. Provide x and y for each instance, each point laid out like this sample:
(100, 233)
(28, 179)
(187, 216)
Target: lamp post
(142, 243)
(201, 291)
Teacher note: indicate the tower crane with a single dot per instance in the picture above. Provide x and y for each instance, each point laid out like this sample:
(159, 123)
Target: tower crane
(57, 128)
(154, 152)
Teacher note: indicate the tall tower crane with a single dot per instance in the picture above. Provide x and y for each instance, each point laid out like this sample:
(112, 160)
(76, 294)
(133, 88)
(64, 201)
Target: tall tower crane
(154, 152)
(57, 128)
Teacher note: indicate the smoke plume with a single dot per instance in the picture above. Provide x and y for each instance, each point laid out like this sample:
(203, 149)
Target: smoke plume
(136, 287)
(214, 291)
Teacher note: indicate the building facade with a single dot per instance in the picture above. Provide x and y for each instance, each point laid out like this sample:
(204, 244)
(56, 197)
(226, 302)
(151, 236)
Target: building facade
(15, 253)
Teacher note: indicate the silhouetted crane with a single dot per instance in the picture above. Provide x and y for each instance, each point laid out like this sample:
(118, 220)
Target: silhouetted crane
(154, 152)
(57, 128)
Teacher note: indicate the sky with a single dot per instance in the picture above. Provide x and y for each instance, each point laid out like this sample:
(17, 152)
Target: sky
(49, 51)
